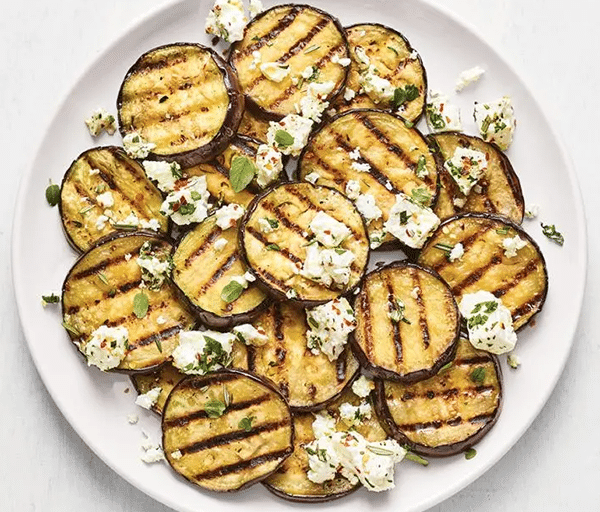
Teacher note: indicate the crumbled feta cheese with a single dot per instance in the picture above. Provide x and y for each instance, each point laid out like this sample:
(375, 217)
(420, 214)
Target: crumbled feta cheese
(255, 8)
(291, 294)
(106, 347)
(330, 324)
(220, 244)
(457, 252)
(365, 204)
(312, 177)
(100, 120)
(128, 256)
(314, 103)
(362, 57)
(256, 59)
(532, 212)
(362, 386)
(324, 424)
(152, 224)
(468, 77)
(308, 72)
(189, 203)
(512, 245)
(353, 189)
(227, 20)
(388, 185)
(93, 172)
(268, 165)
(496, 121)
(201, 352)
(441, 115)
(349, 94)
(251, 335)
(161, 320)
(513, 361)
(355, 154)
(274, 71)
(155, 270)
(327, 230)
(297, 127)
(176, 455)
(355, 415)
(136, 146)
(379, 89)
(266, 225)
(101, 222)
(149, 399)
(132, 419)
(459, 202)
(376, 238)
(165, 174)
(106, 200)
(360, 167)
(416, 291)
(466, 167)
(228, 215)
(489, 322)
(153, 454)
(414, 55)
(328, 266)
(410, 223)
(342, 61)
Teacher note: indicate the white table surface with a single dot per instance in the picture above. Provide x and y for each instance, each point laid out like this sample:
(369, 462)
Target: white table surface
(46, 467)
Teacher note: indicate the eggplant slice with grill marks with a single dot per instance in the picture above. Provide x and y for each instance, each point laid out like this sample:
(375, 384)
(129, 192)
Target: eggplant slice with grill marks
(226, 430)
(407, 323)
(497, 192)
(205, 261)
(100, 289)
(393, 158)
(521, 281)
(395, 60)
(106, 179)
(295, 38)
(184, 99)
(276, 255)
(290, 481)
(448, 413)
(308, 381)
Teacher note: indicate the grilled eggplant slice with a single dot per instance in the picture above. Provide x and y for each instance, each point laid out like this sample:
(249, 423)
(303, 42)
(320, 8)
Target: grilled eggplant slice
(98, 172)
(100, 290)
(498, 191)
(277, 256)
(395, 156)
(395, 60)
(254, 126)
(521, 282)
(308, 381)
(218, 185)
(185, 99)
(296, 38)
(407, 323)
(226, 430)
(202, 268)
(167, 376)
(448, 413)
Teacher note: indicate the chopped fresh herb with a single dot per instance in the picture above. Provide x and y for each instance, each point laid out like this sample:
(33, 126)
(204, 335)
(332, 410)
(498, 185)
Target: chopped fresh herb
(550, 231)
(403, 95)
(470, 453)
(140, 305)
(246, 423)
(403, 217)
(339, 251)
(273, 247)
(112, 292)
(444, 247)
(313, 322)
(408, 124)
(53, 194)
(420, 196)
(176, 171)
(158, 345)
(377, 450)
(125, 227)
(195, 195)
(86, 209)
(393, 49)
(311, 49)
(315, 74)
(478, 375)
(274, 223)
(447, 366)
(214, 408)
(485, 126)
(256, 38)
(242, 172)
(413, 457)
(50, 299)
(435, 118)
(71, 329)
(187, 209)
(103, 278)
(421, 170)
(231, 291)
(283, 139)
(503, 231)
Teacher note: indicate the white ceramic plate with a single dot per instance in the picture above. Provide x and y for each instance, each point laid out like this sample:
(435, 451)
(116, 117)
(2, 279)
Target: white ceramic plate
(97, 404)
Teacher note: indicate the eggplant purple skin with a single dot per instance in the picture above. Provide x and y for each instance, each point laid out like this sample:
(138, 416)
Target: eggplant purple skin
(309, 499)
(407, 42)
(520, 231)
(265, 382)
(259, 111)
(383, 414)
(374, 371)
(109, 238)
(276, 294)
(232, 120)
(113, 149)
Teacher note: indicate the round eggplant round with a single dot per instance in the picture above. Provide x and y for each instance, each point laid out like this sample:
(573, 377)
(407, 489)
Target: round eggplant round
(184, 99)
(100, 290)
(226, 430)
(100, 192)
(205, 263)
(375, 153)
(408, 323)
(449, 412)
(520, 280)
(395, 60)
(308, 381)
(276, 241)
(285, 49)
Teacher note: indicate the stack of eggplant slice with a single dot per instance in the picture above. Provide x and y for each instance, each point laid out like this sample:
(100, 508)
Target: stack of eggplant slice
(434, 393)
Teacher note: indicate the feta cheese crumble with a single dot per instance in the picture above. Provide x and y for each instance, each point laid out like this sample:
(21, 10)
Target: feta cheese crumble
(250, 335)
(496, 121)
(266, 225)
(349, 94)
(220, 244)
(328, 266)
(297, 127)
(468, 77)
(255, 8)
(513, 245)
(376, 238)
(489, 322)
(132, 419)
(353, 189)
(227, 20)
(268, 165)
(362, 386)
(176, 455)
(152, 453)
(274, 71)
(354, 415)
(379, 89)
(365, 204)
(155, 269)
(330, 324)
(136, 146)
(327, 230)
(532, 212)
(466, 167)
(228, 215)
(149, 399)
(314, 103)
(410, 223)
(189, 203)
(106, 200)
(165, 174)
(100, 120)
(360, 167)
(441, 115)
(342, 61)
(312, 177)
(457, 252)
(201, 352)
(106, 347)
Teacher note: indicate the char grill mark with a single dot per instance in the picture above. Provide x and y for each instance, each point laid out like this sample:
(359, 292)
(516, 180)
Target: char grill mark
(206, 244)
(280, 216)
(453, 422)
(471, 361)
(267, 276)
(522, 274)
(447, 393)
(158, 336)
(477, 274)
(172, 60)
(365, 305)
(239, 466)
(527, 306)
(108, 262)
(122, 289)
(422, 309)
(217, 274)
(292, 257)
(392, 307)
(467, 243)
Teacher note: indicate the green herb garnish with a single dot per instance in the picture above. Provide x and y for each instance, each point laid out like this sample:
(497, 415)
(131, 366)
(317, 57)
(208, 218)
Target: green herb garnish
(246, 423)
(231, 292)
(420, 196)
(273, 247)
(274, 223)
(53, 194)
(242, 172)
(435, 118)
(550, 231)
(283, 139)
(470, 453)
(444, 247)
(103, 278)
(311, 49)
(377, 450)
(403, 95)
(71, 329)
(421, 171)
(140, 305)
(186, 209)
(478, 375)
(413, 457)
(214, 408)
(50, 299)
